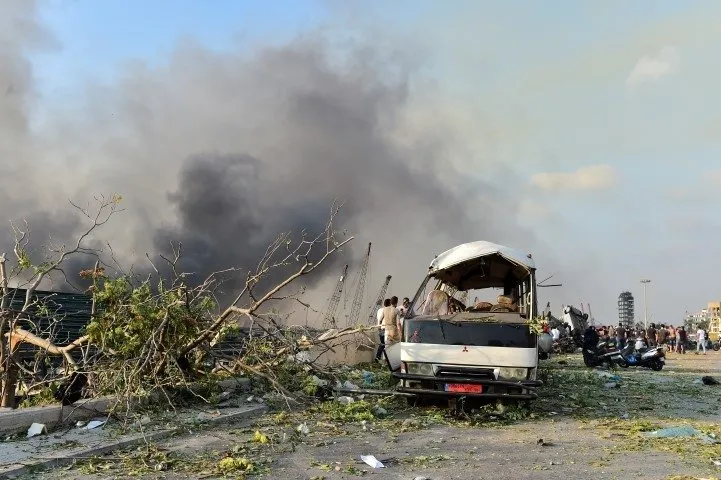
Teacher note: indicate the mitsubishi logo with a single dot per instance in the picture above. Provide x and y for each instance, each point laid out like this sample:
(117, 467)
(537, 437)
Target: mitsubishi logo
(465, 349)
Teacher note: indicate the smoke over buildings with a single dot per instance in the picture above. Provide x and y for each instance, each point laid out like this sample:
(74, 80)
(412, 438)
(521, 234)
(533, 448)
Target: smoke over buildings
(222, 151)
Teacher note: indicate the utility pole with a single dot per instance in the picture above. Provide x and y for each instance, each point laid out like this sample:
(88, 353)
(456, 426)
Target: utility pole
(645, 282)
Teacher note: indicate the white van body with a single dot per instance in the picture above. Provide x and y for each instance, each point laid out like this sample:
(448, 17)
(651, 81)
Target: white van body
(484, 350)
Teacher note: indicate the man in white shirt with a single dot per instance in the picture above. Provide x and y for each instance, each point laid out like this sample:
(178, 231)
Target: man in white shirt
(556, 334)
(701, 340)
(381, 330)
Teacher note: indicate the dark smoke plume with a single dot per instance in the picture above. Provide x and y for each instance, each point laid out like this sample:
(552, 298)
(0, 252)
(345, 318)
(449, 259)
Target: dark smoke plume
(222, 151)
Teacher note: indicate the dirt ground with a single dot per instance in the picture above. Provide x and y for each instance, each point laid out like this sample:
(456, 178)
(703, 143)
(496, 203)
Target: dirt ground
(589, 424)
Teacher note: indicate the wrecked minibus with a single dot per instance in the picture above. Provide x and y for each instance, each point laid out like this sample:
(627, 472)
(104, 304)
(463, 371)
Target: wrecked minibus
(452, 346)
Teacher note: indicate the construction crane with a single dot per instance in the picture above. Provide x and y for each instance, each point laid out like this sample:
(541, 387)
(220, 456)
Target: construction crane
(329, 316)
(360, 290)
(379, 302)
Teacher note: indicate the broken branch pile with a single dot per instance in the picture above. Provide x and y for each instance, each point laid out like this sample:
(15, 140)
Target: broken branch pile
(155, 335)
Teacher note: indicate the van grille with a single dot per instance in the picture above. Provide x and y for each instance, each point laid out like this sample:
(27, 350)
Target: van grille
(480, 373)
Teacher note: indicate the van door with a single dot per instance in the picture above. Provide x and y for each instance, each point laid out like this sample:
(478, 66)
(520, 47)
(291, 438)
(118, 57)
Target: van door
(393, 356)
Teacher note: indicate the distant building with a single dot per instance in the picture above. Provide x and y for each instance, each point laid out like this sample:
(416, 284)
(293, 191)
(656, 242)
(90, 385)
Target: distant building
(714, 320)
(626, 312)
(693, 320)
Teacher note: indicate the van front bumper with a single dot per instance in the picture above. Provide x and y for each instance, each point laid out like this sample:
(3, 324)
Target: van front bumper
(435, 386)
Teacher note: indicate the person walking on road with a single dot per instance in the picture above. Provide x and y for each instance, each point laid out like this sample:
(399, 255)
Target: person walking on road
(700, 340)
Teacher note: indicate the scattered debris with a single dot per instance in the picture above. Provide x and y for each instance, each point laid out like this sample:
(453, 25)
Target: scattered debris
(319, 382)
(347, 385)
(608, 375)
(543, 443)
(372, 461)
(144, 420)
(368, 377)
(36, 429)
(260, 437)
(230, 464)
(95, 424)
(680, 432)
(345, 400)
(303, 429)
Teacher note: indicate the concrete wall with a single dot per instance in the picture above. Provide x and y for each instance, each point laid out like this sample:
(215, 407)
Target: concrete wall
(349, 349)
(18, 420)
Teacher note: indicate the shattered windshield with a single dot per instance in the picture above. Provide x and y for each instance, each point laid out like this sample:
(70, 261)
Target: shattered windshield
(449, 332)
(491, 283)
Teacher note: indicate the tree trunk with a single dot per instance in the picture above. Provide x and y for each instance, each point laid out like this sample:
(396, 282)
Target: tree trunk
(9, 385)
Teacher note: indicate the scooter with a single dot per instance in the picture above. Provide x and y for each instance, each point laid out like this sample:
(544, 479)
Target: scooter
(710, 345)
(638, 355)
(603, 354)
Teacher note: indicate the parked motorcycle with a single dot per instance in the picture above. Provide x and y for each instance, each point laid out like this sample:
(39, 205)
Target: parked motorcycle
(602, 354)
(710, 345)
(564, 345)
(639, 355)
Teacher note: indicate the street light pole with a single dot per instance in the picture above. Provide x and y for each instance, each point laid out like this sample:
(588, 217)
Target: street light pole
(645, 282)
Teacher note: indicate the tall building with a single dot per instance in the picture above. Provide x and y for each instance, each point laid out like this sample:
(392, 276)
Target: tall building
(693, 320)
(714, 320)
(626, 310)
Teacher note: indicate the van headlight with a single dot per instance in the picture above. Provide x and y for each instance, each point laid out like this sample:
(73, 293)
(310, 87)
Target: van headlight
(511, 373)
(420, 369)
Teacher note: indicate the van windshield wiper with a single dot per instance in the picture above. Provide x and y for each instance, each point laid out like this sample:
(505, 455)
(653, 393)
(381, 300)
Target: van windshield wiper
(443, 331)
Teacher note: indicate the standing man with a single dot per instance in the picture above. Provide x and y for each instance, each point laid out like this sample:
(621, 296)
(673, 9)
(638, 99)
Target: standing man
(556, 334)
(381, 329)
(391, 323)
(681, 338)
(590, 342)
(620, 336)
(405, 305)
(394, 304)
(651, 335)
(700, 340)
(671, 338)
(661, 335)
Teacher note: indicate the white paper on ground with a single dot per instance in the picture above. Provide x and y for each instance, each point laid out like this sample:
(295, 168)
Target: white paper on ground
(372, 461)
(36, 429)
(95, 424)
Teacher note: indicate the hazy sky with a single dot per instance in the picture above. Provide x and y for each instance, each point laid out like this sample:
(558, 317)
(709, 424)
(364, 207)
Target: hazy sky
(593, 128)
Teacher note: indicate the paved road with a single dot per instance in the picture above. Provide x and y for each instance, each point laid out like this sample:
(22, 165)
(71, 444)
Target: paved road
(590, 429)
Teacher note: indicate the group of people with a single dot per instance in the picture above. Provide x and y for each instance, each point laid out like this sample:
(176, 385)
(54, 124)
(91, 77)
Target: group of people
(390, 322)
(673, 338)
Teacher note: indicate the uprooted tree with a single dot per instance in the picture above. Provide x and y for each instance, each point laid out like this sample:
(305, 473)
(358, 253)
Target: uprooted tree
(152, 335)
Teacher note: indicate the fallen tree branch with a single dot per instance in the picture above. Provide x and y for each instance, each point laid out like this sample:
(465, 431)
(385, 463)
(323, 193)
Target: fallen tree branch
(19, 335)
(288, 396)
